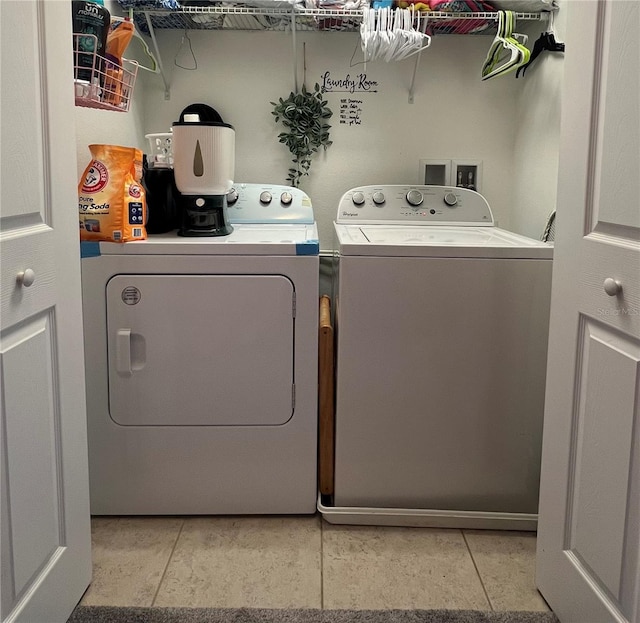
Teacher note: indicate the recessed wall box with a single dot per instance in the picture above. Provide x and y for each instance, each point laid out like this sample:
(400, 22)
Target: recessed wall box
(436, 172)
(467, 174)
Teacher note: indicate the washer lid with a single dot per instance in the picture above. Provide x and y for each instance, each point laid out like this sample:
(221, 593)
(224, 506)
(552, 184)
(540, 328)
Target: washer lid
(245, 239)
(420, 241)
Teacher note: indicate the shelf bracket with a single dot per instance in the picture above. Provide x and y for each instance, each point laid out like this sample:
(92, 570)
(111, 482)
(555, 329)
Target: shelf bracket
(167, 88)
(413, 76)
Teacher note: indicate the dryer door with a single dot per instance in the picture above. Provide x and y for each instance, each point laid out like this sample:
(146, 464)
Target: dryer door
(200, 350)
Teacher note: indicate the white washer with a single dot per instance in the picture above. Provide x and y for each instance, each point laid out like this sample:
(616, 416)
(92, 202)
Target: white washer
(441, 324)
(201, 365)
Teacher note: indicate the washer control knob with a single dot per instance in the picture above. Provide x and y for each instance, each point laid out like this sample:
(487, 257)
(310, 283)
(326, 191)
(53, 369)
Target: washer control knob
(232, 196)
(378, 198)
(612, 287)
(450, 199)
(358, 198)
(265, 197)
(286, 198)
(415, 198)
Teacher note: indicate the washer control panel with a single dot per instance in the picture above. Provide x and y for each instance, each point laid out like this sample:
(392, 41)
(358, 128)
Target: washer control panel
(268, 203)
(415, 205)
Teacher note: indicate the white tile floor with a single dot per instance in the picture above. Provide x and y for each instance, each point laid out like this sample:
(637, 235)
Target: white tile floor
(304, 562)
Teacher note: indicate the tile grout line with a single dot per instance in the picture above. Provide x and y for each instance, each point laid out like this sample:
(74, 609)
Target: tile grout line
(473, 560)
(166, 567)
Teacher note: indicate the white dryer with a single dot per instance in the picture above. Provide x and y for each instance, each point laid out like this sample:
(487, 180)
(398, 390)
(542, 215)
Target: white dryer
(201, 365)
(441, 325)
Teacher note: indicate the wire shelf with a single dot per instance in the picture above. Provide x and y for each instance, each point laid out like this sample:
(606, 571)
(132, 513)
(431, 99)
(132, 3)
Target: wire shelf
(223, 17)
(292, 18)
(99, 82)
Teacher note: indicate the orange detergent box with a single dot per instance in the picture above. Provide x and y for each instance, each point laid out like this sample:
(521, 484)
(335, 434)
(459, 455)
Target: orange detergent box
(111, 199)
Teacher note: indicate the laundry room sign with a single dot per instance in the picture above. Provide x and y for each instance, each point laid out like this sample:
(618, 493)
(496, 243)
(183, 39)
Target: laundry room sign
(358, 83)
(353, 87)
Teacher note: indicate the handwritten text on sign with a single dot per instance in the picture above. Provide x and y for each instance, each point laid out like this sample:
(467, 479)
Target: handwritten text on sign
(350, 111)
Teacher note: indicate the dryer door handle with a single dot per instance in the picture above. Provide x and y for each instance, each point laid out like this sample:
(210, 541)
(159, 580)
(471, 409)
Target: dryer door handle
(123, 352)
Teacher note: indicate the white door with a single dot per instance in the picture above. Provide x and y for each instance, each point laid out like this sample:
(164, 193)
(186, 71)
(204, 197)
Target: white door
(589, 530)
(45, 525)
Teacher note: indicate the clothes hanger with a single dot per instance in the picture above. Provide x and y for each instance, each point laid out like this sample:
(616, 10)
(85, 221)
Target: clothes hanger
(497, 63)
(546, 41)
(395, 34)
(367, 28)
(411, 39)
(497, 42)
(519, 40)
(417, 37)
(391, 35)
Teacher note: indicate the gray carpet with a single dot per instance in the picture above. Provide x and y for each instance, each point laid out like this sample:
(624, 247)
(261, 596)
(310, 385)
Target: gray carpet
(109, 614)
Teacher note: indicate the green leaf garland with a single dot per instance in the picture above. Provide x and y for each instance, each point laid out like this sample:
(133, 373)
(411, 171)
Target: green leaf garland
(304, 114)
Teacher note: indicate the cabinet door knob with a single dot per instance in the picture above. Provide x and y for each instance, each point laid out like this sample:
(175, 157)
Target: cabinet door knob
(26, 277)
(612, 287)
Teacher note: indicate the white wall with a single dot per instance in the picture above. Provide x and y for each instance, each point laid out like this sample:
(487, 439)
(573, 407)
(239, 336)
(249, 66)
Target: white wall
(455, 114)
(537, 140)
(107, 127)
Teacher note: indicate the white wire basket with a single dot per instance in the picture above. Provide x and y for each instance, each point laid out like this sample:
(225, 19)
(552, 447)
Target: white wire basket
(100, 82)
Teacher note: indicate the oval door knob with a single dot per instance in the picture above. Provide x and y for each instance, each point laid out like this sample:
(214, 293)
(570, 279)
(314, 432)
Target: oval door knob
(612, 287)
(26, 277)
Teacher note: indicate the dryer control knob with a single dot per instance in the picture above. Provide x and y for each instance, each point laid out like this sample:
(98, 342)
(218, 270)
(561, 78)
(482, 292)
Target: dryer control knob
(450, 199)
(378, 198)
(286, 198)
(358, 198)
(265, 197)
(415, 197)
(232, 196)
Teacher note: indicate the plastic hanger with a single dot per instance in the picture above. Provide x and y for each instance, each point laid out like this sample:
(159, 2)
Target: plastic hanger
(546, 41)
(367, 28)
(408, 39)
(395, 35)
(514, 39)
(520, 41)
(390, 35)
(417, 38)
(497, 62)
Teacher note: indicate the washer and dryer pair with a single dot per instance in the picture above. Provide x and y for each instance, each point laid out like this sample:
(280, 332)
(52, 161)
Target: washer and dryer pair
(201, 365)
(201, 358)
(441, 323)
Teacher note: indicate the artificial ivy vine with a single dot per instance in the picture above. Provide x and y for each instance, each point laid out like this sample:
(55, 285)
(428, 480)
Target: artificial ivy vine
(304, 114)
